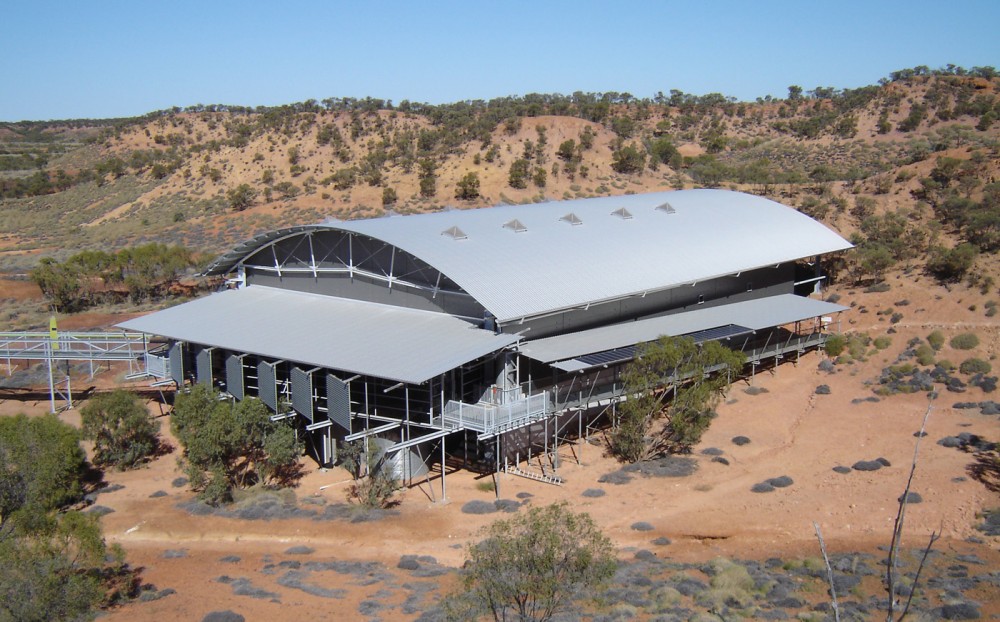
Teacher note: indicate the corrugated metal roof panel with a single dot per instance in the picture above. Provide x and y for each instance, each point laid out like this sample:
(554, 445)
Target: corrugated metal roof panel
(754, 314)
(550, 267)
(363, 338)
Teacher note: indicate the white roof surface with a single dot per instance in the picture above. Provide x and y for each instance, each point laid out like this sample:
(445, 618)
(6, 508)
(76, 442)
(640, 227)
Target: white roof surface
(555, 263)
(753, 314)
(358, 337)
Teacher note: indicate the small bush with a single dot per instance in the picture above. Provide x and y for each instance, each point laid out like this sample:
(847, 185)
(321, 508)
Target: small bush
(835, 345)
(965, 341)
(124, 434)
(975, 366)
(925, 354)
(936, 340)
(882, 342)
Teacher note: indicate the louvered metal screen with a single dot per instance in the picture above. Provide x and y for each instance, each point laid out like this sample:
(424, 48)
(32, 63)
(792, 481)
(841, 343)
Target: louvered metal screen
(302, 393)
(268, 391)
(234, 376)
(203, 367)
(177, 362)
(338, 402)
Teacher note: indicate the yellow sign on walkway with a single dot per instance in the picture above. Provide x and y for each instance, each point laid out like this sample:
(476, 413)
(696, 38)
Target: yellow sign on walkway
(54, 333)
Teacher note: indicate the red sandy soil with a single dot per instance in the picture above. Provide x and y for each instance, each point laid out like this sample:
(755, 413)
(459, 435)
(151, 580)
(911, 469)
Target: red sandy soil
(713, 512)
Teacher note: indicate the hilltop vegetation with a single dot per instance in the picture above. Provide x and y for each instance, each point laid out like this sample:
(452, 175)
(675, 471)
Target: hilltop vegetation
(908, 166)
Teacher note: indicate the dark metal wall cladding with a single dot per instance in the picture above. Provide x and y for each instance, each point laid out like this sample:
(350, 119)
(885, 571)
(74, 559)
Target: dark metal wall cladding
(268, 384)
(338, 402)
(203, 367)
(234, 376)
(177, 362)
(302, 398)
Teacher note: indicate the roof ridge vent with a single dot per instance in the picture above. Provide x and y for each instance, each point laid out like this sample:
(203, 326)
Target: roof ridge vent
(454, 233)
(572, 219)
(622, 213)
(666, 207)
(515, 225)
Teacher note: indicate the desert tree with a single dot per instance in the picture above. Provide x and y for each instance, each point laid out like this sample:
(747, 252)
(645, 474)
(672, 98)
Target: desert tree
(628, 160)
(375, 481)
(533, 566)
(124, 434)
(672, 386)
(467, 188)
(241, 197)
(232, 445)
(517, 177)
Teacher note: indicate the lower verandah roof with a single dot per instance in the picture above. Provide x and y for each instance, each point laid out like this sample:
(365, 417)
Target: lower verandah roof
(402, 345)
(753, 314)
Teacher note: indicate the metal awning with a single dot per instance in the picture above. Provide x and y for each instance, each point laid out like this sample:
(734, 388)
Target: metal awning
(707, 323)
(382, 341)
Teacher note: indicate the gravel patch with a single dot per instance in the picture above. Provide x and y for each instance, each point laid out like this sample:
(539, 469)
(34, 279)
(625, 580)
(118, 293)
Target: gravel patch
(667, 466)
(593, 493)
(867, 465)
(755, 390)
(911, 497)
(642, 526)
(175, 553)
(179, 482)
(100, 510)
(721, 460)
(223, 616)
(741, 440)
(762, 487)
(843, 470)
(524, 495)
(300, 550)
(158, 494)
(477, 506)
(781, 482)
(991, 523)
(507, 505)
(712, 451)
(823, 389)
(296, 580)
(662, 541)
(230, 559)
(958, 611)
(617, 478)
(244, 587)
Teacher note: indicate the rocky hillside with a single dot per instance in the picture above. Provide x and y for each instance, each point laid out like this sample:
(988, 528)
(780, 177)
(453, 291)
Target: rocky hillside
(908, 166)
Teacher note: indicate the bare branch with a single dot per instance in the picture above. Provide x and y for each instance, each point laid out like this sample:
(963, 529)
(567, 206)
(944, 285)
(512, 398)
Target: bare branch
(829, 572)
(897, 531)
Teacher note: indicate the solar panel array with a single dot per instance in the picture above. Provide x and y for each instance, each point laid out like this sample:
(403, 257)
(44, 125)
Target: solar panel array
(620, 355)
(719, 332)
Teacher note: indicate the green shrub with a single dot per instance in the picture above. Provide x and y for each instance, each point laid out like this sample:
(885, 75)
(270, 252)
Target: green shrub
(975, 366)
(124, 434)
(835, 345)
(882, 342)
(936, 339)
(965, 341)
(925, 354)
(945, 364)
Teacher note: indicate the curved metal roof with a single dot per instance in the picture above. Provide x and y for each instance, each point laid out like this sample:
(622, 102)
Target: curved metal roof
(612, 247)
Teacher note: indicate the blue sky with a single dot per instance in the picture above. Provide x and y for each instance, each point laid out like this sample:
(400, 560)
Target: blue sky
(74, 59)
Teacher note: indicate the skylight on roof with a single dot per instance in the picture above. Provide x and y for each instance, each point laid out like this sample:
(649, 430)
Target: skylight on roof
(572, 219)
(622, 213)
(666, 207)
(454, 233)
(515, 225)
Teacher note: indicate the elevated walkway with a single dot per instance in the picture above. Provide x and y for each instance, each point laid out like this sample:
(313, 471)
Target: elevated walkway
(490, 419)
(73, 346)
(92, 347)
